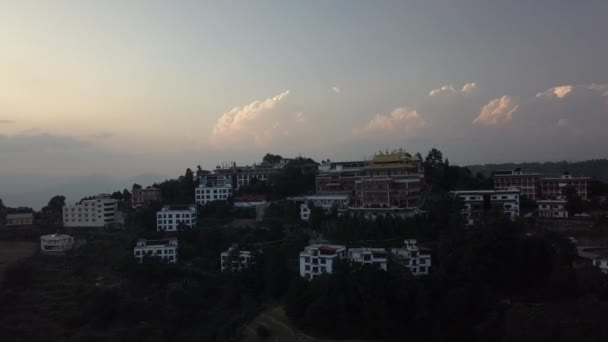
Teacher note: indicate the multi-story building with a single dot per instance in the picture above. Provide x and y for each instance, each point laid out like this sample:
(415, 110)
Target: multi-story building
(338, 178)
(240, 176)
(553, 187)
(392, 183)
(56, 243)
(376, 257)
(235, 260)
(97, 212)
(143, 197)
(326, 202)
(479, 202)
(553, 208)
(320, 258)
(24, 219)
(163, 249)
(528, 183)
(602, 264)
(169, 218)
(213, 187)
(416, 259)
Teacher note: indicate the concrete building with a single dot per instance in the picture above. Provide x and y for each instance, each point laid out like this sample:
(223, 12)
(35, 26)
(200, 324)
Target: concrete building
(376, 257)
(163, 249)
(24, 219)
(479, 202)
(602, 264)
(143, 197)
(320, 258)
(392, 183)
(235, 260)
(56, 243)
(97, 212)
(417, 260)
(527, 183)
(553, 187)
(169, 218)
(338, 178)
(326, 202)
(213, 187)
(554, 208)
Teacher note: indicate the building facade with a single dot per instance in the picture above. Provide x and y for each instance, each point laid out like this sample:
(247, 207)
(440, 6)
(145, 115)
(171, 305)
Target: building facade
(338, 178)
(554, 208)
(477, 203)
(24, 219)
(165, 250)
(376, 257)
(213, 187)
(236, 260)
(320, 258)
(56, 243)
(326, 202)
(553, 187)
(143, 197)
(169, 218)
(97, 212)
(527, 183)
(602, 264)
(416, 259)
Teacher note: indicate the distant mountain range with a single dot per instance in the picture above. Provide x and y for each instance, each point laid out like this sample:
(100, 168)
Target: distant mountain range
(596, 168)
(36, 190)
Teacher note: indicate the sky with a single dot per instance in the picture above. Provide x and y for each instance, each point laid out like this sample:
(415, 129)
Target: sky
(96, 94)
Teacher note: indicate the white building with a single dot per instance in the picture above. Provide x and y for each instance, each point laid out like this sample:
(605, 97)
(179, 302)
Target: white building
(479, 202)
(96, 212)
(602, 263)
(555, 208)
(376, 257)
(417, 260)
(213, 187)
(56, 243)
(163, 249)
(169, 217)
(326, 202)
(234, 259)
(320, 258)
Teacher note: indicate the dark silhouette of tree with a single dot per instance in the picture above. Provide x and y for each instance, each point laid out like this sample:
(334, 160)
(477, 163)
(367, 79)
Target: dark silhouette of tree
(52, 213)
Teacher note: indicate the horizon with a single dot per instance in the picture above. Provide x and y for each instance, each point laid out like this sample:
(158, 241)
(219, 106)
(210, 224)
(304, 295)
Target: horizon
(111, 91)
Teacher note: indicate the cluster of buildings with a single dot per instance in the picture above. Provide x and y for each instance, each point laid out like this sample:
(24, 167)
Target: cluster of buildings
(318, 259)
(510, 186)
(390, 183)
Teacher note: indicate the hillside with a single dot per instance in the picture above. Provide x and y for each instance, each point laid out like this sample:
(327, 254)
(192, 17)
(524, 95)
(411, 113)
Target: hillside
(596, 168)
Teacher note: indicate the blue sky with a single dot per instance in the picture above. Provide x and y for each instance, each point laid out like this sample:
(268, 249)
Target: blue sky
(116, 88)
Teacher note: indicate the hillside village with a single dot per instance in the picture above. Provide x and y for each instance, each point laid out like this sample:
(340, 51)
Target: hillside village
(399, 237)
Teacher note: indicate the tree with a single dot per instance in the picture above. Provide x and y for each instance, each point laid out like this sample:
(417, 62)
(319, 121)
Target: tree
(271, 158)
(434, 159)
(574, 203)
(52, 214)
(136, 186)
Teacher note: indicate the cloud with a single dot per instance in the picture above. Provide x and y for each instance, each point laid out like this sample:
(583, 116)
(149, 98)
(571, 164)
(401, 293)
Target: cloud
(248, 123)
(559, 92)
(400, 120)
(336, 90)
(300, 117)
(467, 89)
(497, 111)
(602, 89)
(4, 121)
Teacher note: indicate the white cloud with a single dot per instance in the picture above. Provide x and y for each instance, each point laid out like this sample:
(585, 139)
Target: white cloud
(247, 123)
(446, 89)
(336, 90)
(497, 111)
(467, 89)
(559, 92)
(400, 120)
(300, 117)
